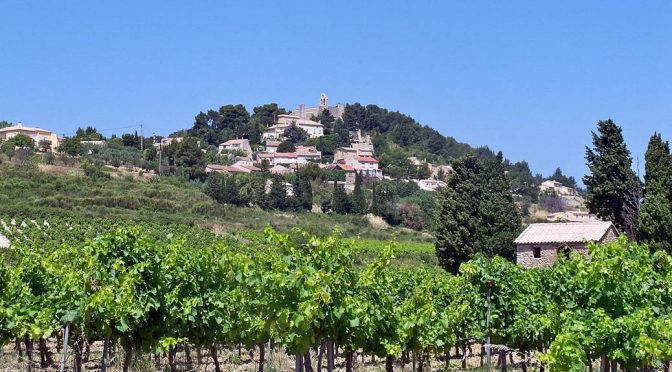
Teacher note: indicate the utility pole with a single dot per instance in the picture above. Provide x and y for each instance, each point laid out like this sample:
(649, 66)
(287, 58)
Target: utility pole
(142, 140)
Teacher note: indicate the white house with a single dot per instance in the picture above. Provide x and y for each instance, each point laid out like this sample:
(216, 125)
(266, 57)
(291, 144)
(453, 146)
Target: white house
(167, 141)
(236, 144)
(430, 184)
(557, 188)
(37, 134)
(277, 131)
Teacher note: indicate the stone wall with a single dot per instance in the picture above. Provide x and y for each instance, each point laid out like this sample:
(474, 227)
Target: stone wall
(549, 254)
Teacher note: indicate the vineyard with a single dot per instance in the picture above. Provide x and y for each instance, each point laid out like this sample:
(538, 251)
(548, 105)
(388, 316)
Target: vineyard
(174, 298)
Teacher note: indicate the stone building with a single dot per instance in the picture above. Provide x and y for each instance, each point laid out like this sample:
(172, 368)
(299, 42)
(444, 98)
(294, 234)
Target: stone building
(307, 112)
(541, 243)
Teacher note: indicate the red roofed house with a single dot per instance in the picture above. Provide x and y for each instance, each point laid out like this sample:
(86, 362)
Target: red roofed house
(349, 172)
(541, 243)
(366, 165)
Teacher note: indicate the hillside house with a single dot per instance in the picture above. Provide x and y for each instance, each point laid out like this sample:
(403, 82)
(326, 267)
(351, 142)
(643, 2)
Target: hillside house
(366, 165)
(304, 112)
(37, 134)
(238, 167)
(272, 146)
(277, 131)
(4, 242)
(356, 149)
(430, 184)
(279, 169)
(541, 243)
(302, 155)
(167, 141)
(350, 173)
(436, 169)
(571, 216)
(556, 188)
(236, 145)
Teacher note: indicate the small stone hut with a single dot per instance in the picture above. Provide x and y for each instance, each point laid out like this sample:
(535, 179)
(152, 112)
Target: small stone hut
(541, 243)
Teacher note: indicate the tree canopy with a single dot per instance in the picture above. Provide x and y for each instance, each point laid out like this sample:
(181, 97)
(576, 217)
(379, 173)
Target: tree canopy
(612, 186)
(655, 216)
(476, 213)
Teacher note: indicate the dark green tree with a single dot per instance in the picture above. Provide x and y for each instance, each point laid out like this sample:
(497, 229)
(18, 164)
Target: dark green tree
(5, 124)
(612, 186)
(353, 116)
(71, 146)
(303, 192)
(277, 197)
(230, 191)
(189, 157)
(286, 146)
(340, 202)
(294, 134)
(23, 141)
(213, 186)
(568, 181)
(358, 198)
(384, 202)
(655, 215)
(476, 213)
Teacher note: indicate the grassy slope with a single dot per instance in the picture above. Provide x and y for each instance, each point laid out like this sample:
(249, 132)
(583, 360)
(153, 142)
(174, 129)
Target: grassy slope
(43, 194)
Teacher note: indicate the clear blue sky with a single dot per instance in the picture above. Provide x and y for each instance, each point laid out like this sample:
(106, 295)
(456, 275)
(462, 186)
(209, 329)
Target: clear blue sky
(530, 78)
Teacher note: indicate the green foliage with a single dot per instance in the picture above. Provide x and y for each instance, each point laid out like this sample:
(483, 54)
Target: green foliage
(88, 134)
(655, 215)
(71, 146)
(476, 213)
(295, 134)
(189, 158)
(340, 201)
(612, 186)
(565, 180)
(286, 146)
(359, 205)
(153, 286)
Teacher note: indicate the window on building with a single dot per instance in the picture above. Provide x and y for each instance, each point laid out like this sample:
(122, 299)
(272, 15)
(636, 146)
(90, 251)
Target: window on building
(536, 251)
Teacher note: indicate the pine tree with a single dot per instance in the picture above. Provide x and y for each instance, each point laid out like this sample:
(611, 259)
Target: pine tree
(358, 198)
(340, 202)
(612, 187)
(655, 215)
(476, 213)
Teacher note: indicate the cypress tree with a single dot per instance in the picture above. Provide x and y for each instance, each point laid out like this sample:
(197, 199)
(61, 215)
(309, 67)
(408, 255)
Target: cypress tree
(230, 192)
(340, 202)
(303, 192)
(277, 198)
(655, 215)
(612, 186)
(358, 198)
(476, 213)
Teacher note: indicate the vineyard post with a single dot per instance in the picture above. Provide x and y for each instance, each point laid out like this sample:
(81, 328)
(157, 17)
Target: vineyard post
(106, 342)
(488, 348)
(64, 355)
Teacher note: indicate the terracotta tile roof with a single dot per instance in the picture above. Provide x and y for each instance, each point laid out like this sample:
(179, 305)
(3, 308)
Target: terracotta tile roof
(568, 232)
(284, 154)
(217, 166)
(234, 142)
(366, 159)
